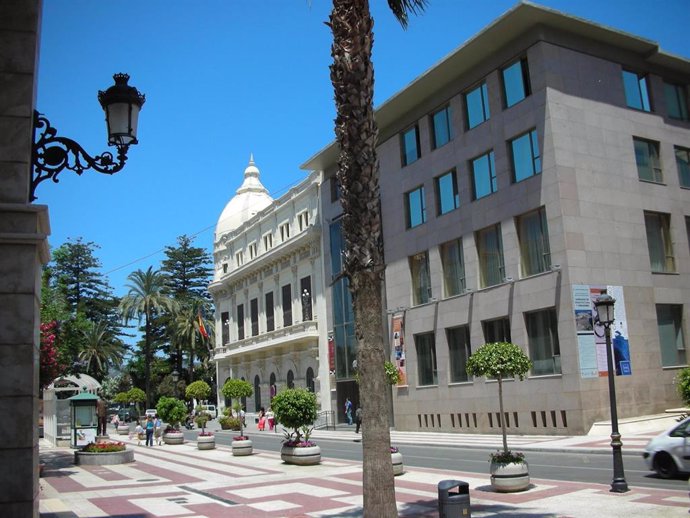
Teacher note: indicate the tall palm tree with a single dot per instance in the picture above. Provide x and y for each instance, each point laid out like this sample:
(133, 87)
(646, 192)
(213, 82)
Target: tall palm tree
(187, 331)
(144, 300)
(100, 349)
(352, 75)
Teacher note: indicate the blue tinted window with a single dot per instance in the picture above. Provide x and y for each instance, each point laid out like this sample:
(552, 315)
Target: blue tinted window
(336, 248)
(410, 143)
(676, 101)
(526, 158)
(516, 82)
(416, 207)
(636, 94)
(683, 163)
(477, 105)
(443, 131)
(647, 159)
(447, 194)
(484, 175)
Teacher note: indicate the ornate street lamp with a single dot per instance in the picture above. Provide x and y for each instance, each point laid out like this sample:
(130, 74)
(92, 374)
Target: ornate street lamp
(175, 378)
(51, 154)
(604, 304)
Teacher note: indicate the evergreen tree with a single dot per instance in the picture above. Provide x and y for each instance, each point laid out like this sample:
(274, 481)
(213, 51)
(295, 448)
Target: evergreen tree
(187, 269)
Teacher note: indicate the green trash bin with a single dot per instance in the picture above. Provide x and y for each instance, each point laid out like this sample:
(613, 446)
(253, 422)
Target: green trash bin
(454, 499)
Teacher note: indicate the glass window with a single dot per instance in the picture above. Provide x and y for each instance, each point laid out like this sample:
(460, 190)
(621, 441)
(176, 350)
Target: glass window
(442, 127)
(303, 220)
(683, 164)
(516, 84)
(240, 322)
(658, 227)
(270, 312)
(426, 359)
(535, 256)
(490, 252)
(410, 146)
(287, 305)
(526, 157)
(415, 207)
(542, 336)
(268, 241)
(453, 268)
(239, 258)
(636, 91)
(254, 315)
(421, 280)
(647, 158)
(484, 175)
(458, 353)
(676, 101)
(477, 106)
(284, 232)
(447, 195)
(252, 250)
(671, 339)
(497, 330)
(225, 329)
(337, 245)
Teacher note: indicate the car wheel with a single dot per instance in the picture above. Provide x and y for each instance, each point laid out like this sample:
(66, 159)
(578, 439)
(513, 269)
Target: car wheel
(664, 465)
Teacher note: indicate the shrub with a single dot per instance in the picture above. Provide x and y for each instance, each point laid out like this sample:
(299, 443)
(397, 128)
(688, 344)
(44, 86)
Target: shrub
(229, 423)
(198, 390)
(683, 384)
(171, 410)
(237, 389)
(201, 421)
(104, 447)
(296, 409)
(392, 373)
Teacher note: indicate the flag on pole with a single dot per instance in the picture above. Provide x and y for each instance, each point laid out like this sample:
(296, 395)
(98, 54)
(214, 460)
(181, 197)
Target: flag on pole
(202, 327)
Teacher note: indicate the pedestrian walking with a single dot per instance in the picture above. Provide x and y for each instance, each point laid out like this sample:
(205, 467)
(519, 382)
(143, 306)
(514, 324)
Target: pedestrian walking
(358, 418)
(149, 431)
(348, 410)
(157, 429)
(102, 412)
(270, 418)
(139, 432)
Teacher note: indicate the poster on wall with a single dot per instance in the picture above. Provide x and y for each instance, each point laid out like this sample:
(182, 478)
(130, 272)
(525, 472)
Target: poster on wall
(398, 347)
(591, 339)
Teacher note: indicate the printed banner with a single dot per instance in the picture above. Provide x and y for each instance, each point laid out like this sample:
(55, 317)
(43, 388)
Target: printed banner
(398, 347)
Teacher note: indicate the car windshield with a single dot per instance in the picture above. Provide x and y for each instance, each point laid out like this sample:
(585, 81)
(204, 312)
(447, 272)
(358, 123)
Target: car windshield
(681, 430)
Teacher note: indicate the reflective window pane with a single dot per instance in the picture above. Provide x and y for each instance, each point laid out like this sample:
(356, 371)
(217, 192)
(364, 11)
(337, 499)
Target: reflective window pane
(525, 154)
(490, 254)
(484, 175)
(458, 353)
(647, 158)
(636, 91)
(410, 145)
(415, 207)
(443, 131)
(426, 359)
(516, 82)
(676, 101)
(447, 195)
(683, 164)
(477, 106)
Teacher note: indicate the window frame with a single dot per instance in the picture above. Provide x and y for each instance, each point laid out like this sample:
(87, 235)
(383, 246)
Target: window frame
(525, 82)
(453, 273)
(448, 120)
(543, 261)
(463, 346)
(267, 239)
(492, 178)
(254, 315)
(493, 334)
(661, 240)
(639, 95)
(679, 98)
(303, 220)
(485, 108)
(284, 229)
(535, 159)
(485, 276)
(240, 322)
(423, 376)
(422, 207)
(286, 293)
(420, 276)
(239, 258)
(406, 158)
(652, 148)
(679, 329)
(253, 250)
(455, 192)
(683, 170)
(270, 311)
(553, 346)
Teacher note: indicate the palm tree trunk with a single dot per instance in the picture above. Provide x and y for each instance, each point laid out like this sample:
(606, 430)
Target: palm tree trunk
(502, 418)
(352, 75)
(147, 355)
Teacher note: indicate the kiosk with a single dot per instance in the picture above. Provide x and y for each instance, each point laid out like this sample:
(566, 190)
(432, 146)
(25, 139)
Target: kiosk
(83, 419)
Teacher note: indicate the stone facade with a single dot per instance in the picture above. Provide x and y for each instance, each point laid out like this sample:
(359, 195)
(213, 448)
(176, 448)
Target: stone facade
(23, 231)
(592, 201)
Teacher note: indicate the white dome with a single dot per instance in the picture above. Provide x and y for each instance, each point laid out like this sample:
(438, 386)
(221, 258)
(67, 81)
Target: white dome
(251, 197)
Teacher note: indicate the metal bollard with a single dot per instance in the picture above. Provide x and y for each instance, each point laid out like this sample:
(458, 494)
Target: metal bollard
(454, 504)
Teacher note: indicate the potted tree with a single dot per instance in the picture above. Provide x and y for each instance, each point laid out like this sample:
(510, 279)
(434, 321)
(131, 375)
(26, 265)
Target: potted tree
(296, 409)
(172, 411)
(137, 396)
(238, 389)
(122, 427)
(500, 360)
(200, 390)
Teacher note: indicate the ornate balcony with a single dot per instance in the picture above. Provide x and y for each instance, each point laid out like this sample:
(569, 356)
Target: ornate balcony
(297, 336)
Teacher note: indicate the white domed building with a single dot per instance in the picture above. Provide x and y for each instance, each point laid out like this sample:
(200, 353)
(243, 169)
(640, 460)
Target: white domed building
(268, 291)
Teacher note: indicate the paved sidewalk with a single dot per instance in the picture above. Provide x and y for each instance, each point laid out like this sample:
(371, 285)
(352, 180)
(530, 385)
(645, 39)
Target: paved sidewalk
(181, 481)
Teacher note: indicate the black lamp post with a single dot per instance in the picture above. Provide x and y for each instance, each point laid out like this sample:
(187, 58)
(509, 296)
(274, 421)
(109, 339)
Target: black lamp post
(604, 304)
(175, 378)
(51, 154)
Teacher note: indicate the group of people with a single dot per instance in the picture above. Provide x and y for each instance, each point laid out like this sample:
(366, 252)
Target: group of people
(266, 418)
(153, 428)
(358, 414)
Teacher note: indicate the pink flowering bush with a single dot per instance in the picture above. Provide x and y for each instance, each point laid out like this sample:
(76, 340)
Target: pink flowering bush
(104, 447)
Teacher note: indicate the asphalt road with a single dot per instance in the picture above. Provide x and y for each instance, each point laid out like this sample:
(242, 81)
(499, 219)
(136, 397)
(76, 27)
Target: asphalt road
(574, 467)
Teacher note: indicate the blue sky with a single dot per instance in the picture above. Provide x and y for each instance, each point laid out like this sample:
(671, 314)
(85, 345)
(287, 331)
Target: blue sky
(224, 79)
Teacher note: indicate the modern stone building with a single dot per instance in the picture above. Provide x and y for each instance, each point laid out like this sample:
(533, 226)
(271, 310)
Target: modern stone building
(544, 162)
(23, 249)
(268, 291)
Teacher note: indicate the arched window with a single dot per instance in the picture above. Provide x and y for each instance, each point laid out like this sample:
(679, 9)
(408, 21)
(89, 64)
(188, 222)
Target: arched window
(310, 380)
(257, 393)
(227, 401)
(273, 389)
(244, 399)
(290, 379)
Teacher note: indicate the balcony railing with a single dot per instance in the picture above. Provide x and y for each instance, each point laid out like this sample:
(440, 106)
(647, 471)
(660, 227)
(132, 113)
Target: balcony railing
(295, 332)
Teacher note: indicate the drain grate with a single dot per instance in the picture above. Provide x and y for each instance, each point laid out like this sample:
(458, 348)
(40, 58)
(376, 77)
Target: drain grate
(208, 495)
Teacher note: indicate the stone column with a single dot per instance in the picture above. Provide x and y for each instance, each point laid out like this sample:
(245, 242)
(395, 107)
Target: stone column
(23, 249)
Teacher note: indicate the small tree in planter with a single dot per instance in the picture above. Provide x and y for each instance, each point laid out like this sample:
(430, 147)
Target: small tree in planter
(172, 411)
(502, 360)
(296, 409)
(238, 389)
(200, 390)
(137, 396)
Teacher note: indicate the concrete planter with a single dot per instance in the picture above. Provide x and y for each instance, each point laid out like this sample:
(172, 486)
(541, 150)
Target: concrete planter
(301, 456)
(173, 438)
(206, 442)
(509, 478)
(82, 458)
(397, 460)
(242, 448)
(123, 429)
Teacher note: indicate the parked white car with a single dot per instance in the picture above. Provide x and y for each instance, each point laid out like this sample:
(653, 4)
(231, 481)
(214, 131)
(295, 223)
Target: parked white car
(150, 412)
(669, 452)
